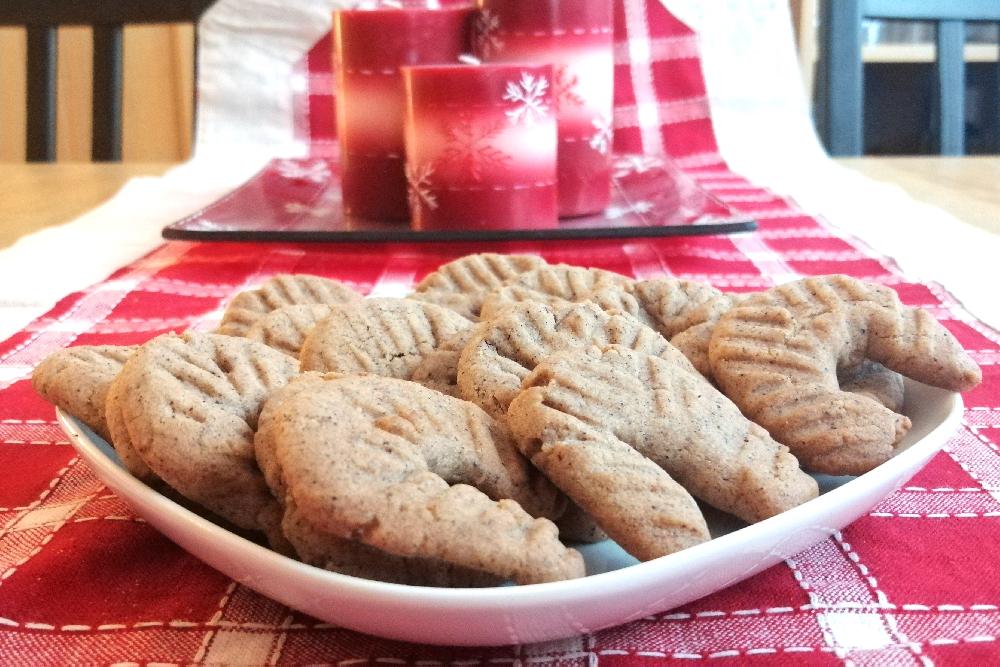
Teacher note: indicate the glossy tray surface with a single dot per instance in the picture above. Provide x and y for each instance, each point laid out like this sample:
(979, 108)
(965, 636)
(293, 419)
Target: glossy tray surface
(299, 201)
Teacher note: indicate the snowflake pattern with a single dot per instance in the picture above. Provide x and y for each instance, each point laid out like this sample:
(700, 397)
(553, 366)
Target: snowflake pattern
(564, 85)
(601, 140)
(635, 164)
(486, 29)
(317, 171)
(528, 95)
(420, 189)
(468, 151)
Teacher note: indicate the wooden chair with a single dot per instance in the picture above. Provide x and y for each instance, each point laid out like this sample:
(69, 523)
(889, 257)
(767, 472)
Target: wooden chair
(41, 18)
(841, 69)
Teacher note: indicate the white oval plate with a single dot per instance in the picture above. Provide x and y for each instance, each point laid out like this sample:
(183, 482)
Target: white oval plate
(616, 590)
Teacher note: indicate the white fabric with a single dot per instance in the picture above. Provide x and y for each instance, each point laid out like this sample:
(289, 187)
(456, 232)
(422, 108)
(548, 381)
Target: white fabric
(245, 91)
(245, 116)
(42, 267)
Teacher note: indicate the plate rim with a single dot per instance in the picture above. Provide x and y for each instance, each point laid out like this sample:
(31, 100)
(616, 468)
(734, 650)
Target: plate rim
(81, 439)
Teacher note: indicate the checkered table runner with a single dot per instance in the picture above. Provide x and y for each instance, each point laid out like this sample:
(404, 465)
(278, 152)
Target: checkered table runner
(83, 580)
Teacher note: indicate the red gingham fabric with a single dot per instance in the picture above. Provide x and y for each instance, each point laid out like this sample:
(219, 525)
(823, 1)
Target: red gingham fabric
(83, 580)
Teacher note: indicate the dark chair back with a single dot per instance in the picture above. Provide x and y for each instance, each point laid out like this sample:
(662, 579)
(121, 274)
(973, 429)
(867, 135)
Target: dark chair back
(841, 68)
(41, 18)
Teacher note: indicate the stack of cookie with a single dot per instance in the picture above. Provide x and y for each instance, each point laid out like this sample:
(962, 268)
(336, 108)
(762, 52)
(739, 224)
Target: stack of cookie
(460, 436)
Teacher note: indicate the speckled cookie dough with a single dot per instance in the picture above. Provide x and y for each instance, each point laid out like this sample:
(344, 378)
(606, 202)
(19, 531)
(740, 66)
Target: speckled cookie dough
(281, 290)
(388, 337)
(414, 473)
(190, 405)
(462, 285)
(77, 379)
(777, 356)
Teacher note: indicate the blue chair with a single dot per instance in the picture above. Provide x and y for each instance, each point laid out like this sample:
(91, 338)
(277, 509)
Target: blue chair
(841, 74)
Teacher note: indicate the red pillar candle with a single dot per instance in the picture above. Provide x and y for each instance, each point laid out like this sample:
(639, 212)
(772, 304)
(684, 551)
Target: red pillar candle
(576, 36)
(481, 147)
(370, 45)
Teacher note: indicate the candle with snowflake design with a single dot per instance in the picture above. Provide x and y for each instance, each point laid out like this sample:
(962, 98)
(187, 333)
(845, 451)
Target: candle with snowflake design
(481, 147)
(370, 45)
(576, 36)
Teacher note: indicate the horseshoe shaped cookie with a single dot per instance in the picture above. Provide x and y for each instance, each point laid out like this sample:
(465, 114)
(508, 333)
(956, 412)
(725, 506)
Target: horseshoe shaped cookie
(777, 356)
(670, 415)
(503, 351)
(868, 378)
(562, 284)
(413, 473)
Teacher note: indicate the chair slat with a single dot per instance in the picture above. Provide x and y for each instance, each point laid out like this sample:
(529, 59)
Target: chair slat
(97, 12)
(843, 75)
(951, 84)
(41, 94)
(933, 10)
(107, 94)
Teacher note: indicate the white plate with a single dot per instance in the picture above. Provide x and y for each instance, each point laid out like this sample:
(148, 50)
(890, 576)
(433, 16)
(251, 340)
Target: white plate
(618, 589)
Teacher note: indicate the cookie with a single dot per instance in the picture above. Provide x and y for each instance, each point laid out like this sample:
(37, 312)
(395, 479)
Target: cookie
(413, 473)
(868, 378)
(77, 379)
(357, 559)
(388, 337)
(561, 285)
(777, 356)
(635, 501)
(875, 381)
(190, 405)
(674, 305)
(670, 415)
(281, 290)
(693, 340)
(462, 284)
(286, 328)
(504, 350)
(438, 369)
(336, 554)
(119, 437)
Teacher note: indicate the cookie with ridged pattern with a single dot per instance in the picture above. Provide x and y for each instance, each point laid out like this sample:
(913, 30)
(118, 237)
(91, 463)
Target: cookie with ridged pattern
(778, 353)
(189, 405)
(413, 473)
(668, 414)
(77, 379)
(249, 306)
(388, 337)
(286, 328)
(867, 377)
(504, 350)
(462, 285)
(562, 284)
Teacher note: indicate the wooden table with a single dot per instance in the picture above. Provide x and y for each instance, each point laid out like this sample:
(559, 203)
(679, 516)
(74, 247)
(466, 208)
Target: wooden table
(967, 187)
(36, 196)
(33, 196)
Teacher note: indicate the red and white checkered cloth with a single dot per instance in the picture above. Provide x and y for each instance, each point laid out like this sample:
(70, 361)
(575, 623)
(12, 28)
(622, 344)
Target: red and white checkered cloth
(83, 580)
